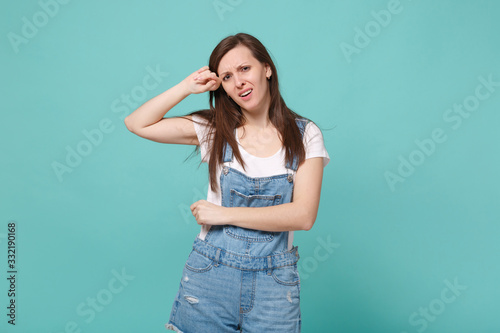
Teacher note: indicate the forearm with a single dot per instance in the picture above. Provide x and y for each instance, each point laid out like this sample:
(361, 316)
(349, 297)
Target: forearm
(284, 217)
(153, 110)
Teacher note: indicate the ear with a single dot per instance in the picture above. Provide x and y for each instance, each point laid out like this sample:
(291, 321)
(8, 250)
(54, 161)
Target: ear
(269, 72)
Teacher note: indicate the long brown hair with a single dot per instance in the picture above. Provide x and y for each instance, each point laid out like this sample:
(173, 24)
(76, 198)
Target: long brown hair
(225, 115)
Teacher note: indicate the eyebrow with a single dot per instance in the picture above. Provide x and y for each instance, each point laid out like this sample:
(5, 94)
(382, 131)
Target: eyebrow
(242, 65)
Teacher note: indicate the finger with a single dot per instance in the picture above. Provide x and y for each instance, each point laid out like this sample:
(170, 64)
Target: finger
(204, 71)
(198, 77)
(215, 77)
(210, 84)
(200, 71)
(201, 77)
(204, 68)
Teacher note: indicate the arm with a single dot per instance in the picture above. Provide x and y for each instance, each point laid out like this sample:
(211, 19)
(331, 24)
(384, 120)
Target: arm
(300, 214)
(148, 122)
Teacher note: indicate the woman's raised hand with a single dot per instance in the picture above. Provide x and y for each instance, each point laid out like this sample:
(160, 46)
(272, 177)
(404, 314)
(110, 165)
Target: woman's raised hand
(202, 80)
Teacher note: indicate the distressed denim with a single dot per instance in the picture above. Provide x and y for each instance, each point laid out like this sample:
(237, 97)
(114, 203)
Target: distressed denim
(239, 279)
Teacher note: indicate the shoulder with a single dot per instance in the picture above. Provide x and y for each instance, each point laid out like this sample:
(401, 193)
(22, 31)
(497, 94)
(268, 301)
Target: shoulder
(308, 128)
(199, 120)
(201, 123)
(204, 132)
(302, 122)
(313, 141)
(312, 129)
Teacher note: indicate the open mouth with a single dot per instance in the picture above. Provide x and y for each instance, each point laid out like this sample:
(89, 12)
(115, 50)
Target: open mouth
(246, 93)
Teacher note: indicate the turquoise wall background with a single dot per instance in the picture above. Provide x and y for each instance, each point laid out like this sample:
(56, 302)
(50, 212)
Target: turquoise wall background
(407, 94)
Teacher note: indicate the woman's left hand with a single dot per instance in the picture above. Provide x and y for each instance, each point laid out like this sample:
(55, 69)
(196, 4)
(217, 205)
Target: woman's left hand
(208, 213)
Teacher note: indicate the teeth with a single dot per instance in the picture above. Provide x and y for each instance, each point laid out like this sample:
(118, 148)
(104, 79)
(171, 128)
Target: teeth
(246, 93)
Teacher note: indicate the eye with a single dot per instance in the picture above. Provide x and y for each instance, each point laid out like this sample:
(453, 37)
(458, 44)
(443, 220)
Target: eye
(245, 68)
(225, 77)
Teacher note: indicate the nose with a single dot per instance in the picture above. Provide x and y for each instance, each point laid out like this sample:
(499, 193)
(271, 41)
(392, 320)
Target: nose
(238, 81)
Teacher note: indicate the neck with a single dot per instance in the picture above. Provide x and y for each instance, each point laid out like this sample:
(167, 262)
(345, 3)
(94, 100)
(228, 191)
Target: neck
(259, 117)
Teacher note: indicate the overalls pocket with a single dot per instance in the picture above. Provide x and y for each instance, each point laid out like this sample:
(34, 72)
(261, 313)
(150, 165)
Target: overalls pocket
(287, 275)
(198, 263)
(238, 199)
(241, 200)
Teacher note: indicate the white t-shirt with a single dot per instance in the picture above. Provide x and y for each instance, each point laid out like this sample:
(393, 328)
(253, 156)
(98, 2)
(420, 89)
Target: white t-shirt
(258, 166)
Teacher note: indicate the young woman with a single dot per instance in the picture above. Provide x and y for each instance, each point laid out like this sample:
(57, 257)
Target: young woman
(265, 170)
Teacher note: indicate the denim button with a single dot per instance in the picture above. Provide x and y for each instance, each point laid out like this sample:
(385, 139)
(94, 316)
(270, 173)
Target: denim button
(290, 177)
(225, 170)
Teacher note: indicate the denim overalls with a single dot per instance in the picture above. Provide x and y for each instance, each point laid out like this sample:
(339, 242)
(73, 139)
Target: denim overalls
(238, 279)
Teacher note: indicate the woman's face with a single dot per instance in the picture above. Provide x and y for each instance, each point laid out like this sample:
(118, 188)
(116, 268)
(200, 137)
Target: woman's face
(244, 79)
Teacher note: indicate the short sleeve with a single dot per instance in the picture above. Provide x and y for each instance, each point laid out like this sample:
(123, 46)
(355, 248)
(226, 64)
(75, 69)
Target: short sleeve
(201, 127)
(314, 144)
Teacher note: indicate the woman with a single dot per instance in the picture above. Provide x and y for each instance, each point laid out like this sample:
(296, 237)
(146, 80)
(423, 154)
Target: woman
(242, 272)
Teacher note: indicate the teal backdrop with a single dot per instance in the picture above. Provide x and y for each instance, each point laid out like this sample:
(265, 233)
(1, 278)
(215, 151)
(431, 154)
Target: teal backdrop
(407, 94)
